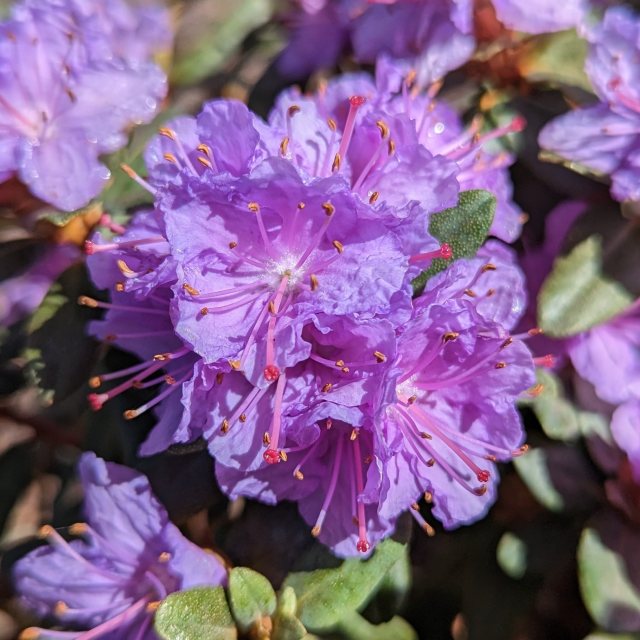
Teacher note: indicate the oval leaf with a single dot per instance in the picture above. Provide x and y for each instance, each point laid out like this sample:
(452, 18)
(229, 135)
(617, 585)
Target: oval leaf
(464, 228)
(576, 296)
(251, 597)
(196, 614)
(609, 573)
(326, 596)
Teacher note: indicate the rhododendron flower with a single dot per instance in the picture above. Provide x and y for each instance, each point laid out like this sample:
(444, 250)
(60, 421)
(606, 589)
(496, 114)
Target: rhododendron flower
(605, 137)
(55, 117)
(125, 559)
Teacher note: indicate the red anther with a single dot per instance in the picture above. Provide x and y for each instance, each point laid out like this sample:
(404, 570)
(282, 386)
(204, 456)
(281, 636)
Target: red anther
(483, 476)
(446, 251)
(271, 373)
(95, 401)
(357, 101)
(271, 456)
(89, 247)
(363, 546)
(518, 124)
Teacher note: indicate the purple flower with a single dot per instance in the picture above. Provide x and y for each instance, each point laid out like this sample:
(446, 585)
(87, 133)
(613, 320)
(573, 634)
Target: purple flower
(456, 379)
(431, 36)
(325, 442)
(541, 17)
(126, 558)
(22, 294)
(56, 117)
(605, 137)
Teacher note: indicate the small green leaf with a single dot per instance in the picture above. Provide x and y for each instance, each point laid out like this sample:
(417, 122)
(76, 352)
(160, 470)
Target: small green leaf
(214, 31)
(576, 296)
(286, 625)
(62, 218)
(556, 58)
(251, 597)
(197, 614)
(610, 593)
(325, 596)
(464, 228)
(512, 555)
(559, 477)
(354, 627)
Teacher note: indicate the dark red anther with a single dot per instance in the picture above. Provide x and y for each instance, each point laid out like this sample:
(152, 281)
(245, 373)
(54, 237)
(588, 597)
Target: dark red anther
(483, 476)
(89, 247)
(363, 546)
(271, 373)
(271, 456)
(357, 101)
(446, 251)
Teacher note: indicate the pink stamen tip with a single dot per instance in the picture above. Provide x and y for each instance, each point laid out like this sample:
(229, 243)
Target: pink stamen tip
(89, 247)
(363, 546)
(518, 124)
(446, 251)
(271, 373)
(483, 476)
(271, 456)
(357, 101)
(96, 400)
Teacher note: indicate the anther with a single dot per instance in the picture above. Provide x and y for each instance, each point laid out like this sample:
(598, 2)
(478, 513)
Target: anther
(86, 301)
(536, 331)
(329, 209)
(383, 127)
(253, 206)
(298, 475)
(301, 205)
(490, 292)
(339, 363)
(45, 531)
(450, 336)
(329, 423)
(204, 311)
(428, 529)
(167, 133)
(470, 293)
(234, 364)
(292, 110)
(284, 145)
(335, 165)
(219, 377)
(224, 427)
(30, 633)
(354, 435)
(392, 147)
(119, 287)
(95, 382)
(428, 497)
(233, 245)
(536, 390)
(488, 267)
(480, 491)
(243, 417)
(272, 307)
(315, 532)
(190, 290)
(338, 245)
(415, 506)
(283, 455)
(130, 414)
(152, 607)
(426, 436)
(373, 197)
(204, 149)
(314, 281)
(326, 387)
(78, 529)
(205, 162)
(266, 439)
(332, 124)
(379, 356)
(170, 158)
(164, 557)
(506, 343)
(60, 608)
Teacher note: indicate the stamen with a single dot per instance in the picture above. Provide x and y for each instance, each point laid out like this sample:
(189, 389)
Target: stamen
(337, 463)
(272, 455)
(363, 544)
(107, 221)
(136, 178)
(355, 102)
(444, 252)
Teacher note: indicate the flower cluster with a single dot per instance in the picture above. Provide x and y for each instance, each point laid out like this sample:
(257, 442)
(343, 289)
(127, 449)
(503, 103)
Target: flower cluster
(55, 117)
(269, 294)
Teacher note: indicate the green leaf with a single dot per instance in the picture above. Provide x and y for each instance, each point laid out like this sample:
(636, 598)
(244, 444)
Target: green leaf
(612, 596)
(556, 58)
(559, 418)
(354, 627)
(603, 635)
(196, 614)
(62, 218)
(286, 625)
(559, 477)
(58, 352)
(512, 555)
(576, 296)
(464, 228)
(251, 597)
(215, 30)
(325, 596)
